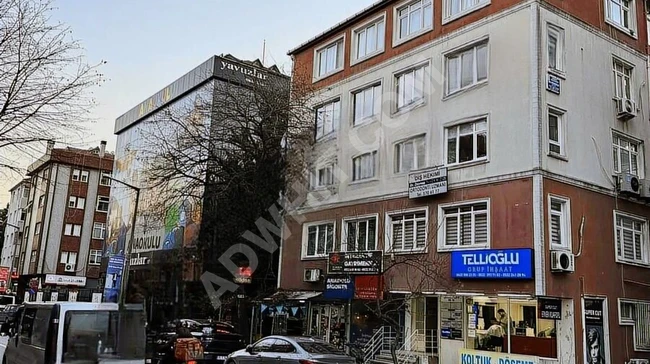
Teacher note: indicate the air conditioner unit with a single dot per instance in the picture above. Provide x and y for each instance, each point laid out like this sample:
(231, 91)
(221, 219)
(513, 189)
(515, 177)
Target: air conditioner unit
(629, 184)
(638, 361)
(69, 267)
(625, 109)
(312, 275)
(562, 261)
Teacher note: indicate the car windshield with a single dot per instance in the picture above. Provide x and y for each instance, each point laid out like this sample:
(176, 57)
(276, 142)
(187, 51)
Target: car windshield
(96, 335)
(317, 347)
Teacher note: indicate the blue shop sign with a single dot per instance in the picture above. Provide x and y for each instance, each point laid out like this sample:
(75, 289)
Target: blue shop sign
(339, 287)
(492, 264)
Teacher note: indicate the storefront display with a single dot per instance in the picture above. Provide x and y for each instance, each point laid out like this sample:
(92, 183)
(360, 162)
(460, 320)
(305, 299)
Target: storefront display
(509, 325)
(328, 323)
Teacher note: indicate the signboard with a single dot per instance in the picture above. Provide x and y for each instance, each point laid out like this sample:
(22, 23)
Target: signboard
(553, 84)
(60, 280)
(54, 296)
(368, 287)
(428, 183)
(243, 275)
(114, 272)
(139, 260)
(490, 357)
(492, 264)
(451, 317)
(355, 263)
(549, 308)
(594, 313)
(4, 279)
(339, 288)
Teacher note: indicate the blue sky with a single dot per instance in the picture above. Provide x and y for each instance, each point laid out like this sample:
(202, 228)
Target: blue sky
(148, 44)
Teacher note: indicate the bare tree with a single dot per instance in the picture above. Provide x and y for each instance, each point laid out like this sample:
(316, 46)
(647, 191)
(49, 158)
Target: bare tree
(43, 79)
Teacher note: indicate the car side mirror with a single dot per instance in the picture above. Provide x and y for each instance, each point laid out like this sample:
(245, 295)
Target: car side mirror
(249, 349)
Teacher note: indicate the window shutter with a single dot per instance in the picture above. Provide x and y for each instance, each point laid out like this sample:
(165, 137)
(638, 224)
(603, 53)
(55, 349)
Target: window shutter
(451, 230)
(409, 231)
(642, 326)
(421, 232)
(397, 235)
(481, 229)
(466, 229)
(628, 244)
(637, 247)
(556, 232)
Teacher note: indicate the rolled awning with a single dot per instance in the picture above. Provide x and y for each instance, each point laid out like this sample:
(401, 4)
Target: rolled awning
(293, 295)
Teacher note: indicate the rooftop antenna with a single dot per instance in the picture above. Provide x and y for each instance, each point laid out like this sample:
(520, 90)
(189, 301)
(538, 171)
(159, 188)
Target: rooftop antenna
(263, 52)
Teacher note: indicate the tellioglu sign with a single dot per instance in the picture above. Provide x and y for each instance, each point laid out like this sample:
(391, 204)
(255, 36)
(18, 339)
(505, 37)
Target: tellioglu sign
(491, 357)
(492, 264)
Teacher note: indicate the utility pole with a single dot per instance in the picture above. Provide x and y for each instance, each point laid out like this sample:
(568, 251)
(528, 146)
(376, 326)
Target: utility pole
(129, 245)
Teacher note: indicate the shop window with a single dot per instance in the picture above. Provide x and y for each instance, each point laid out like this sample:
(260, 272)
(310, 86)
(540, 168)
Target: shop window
(509, 325)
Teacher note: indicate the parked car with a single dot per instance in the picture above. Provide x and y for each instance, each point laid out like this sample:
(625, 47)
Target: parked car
(218, 339)
(8, 318)
(290, 350)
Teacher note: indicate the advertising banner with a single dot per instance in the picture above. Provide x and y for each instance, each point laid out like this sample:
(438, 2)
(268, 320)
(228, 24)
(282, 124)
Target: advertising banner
(594, 330)
(339, 288)
(355, 263)
(492, 264)
(4, 279)
(368, 287)
(485, 357)
(114, 273)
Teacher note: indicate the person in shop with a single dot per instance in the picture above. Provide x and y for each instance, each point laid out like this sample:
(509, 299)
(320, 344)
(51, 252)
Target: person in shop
(503, 321)
(494, 336)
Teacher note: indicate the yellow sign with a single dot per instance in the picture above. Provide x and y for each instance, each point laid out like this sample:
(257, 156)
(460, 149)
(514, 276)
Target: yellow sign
(491, 357)
(149, 105)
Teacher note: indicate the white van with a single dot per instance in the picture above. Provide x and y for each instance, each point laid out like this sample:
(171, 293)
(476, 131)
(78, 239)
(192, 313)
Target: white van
(78, 333)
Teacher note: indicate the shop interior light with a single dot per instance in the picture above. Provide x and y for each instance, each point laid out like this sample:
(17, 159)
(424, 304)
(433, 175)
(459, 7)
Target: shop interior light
(400, 292)
(440, 293)
(514, 295)
(470, 294)
(301, 301)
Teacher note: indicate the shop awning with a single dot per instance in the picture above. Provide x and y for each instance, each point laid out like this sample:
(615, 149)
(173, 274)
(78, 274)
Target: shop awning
(293, 295)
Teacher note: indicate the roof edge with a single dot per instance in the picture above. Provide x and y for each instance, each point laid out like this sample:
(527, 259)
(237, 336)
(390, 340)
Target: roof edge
(339, 25)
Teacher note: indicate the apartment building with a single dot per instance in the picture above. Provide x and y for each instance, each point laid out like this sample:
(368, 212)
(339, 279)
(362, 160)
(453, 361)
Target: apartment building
(483, 161)
(15, 226)
(59, 256)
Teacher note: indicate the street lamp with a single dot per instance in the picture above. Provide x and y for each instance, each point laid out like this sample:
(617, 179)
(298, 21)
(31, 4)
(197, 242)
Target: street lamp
(128, 247)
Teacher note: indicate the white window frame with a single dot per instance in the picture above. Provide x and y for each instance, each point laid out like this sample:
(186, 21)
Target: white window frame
(645, 245)
(398, 153)
(67, 229)
(381, 40)
(413, 103)
(560, 115)
(447, 7)
(336, 119)
(76, 230)
(102, 227)
(101, 179)
(84, 176)
(389, 244)
(617, 148)
(339, 67)
(565, 222)
(316, 173)
(95, 257)
(357, 219)
(376, 89)
(619, 87)
(456, 54)
(65, 258)
(636, 322)
(475, 133)
(76, 175)
(558, 33)
(442, 233)
(399, 38)
(107, 203)
(75, 202)
(305, 239)
(631, 10)
(375, 168)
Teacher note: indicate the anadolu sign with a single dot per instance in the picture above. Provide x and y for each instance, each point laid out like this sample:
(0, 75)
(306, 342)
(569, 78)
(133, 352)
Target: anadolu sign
(488, 357)
(492, 264)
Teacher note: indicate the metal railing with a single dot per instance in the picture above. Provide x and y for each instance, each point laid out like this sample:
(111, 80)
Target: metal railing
(418, 345)
(382, 339)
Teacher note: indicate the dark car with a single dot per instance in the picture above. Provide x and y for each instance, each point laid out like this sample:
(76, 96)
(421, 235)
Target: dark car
(219, 339)
(8, 317)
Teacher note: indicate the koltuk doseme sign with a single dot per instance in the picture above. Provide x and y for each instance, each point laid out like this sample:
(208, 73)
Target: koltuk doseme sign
(355, 263)
(492, 264)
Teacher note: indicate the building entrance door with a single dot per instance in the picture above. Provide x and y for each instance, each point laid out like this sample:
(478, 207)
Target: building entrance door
(328, 323)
